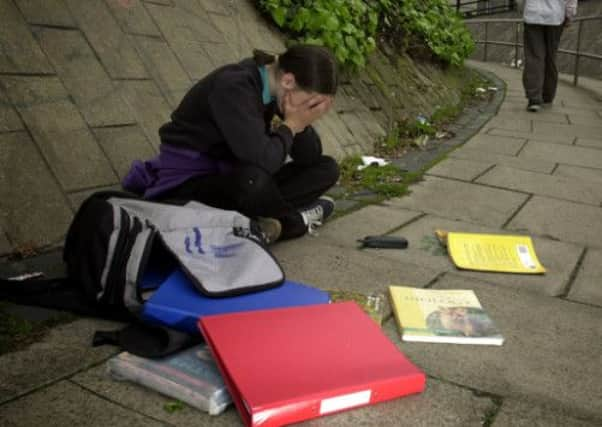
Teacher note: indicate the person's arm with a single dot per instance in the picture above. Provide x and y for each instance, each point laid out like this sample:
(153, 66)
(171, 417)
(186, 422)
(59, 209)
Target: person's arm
(238, 113)
(307, 147)
(570, 9)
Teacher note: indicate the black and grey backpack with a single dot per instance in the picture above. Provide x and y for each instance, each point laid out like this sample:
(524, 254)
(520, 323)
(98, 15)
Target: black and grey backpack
(118, 246)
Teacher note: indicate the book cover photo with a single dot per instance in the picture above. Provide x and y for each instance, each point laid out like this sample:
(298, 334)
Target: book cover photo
(442, 316)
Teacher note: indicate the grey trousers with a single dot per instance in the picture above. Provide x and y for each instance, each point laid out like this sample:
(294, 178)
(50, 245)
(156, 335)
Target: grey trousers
(540, 75)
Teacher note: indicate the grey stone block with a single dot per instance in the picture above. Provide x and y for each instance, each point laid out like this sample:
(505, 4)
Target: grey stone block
(544, 115)
(186, 28)
(47, 12)
(587, 286)
(110, 43)
(217, 6)
(519, 413)
(76, 198)
(333, 121)
(559, 259)
(234, 34)
(496, 144)
(5, 246)
(543, 185)
(124, 145)
(64, 351)
(570, 222)
(579, 173)
(572, 155)
(358, 130)
(60, 132)
(330, 142)
(371, 124)
(31, 198)
(133, 17)
(501, 159)
(148, 105)
(65, 403)
(164, 67)
(551, 353)
(461, 201)
(9, 120)
(221, 53)
(371, 220)
(464, 170)
(19, 52)
(84, 77)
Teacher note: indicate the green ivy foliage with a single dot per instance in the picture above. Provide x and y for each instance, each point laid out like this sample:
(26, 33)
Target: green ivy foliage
(350, 27)
(347, 27)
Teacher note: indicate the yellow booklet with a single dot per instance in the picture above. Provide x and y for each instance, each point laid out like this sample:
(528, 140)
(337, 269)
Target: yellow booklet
(443, 316)
(493, 252)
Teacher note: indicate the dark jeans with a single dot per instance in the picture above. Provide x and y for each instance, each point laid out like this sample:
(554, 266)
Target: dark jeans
(253, 192)
(540, 75)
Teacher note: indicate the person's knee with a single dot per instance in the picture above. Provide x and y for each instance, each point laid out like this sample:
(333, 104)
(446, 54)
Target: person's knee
(252, 182)
(331, 170)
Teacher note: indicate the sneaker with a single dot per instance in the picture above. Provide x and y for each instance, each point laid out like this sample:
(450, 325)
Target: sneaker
(269, 229)
(534, 106)
(315, 214)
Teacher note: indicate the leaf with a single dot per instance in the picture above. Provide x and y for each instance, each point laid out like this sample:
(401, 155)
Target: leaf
(279, 15)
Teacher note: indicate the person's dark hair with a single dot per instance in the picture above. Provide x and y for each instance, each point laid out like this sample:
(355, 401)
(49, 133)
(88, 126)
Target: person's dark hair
(314, 67)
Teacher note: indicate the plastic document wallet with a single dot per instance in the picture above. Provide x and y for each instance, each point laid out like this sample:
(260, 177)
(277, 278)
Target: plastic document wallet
(178, 304)
(286, 365)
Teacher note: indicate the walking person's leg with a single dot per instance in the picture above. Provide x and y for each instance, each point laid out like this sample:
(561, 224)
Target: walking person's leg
(552, 40)
(533, 73)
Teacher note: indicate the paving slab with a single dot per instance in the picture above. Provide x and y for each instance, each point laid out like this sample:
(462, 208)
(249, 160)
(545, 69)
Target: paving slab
(543, 184)
(46, 12)
(84, 77)
(500, 122)
(582, 131)
(133, 17)
(587, 287)
(65, 350)
(551, 354)
(185, 32)
(123, 145)
(501, 159)
(164, 67)
(441, 403)
(464, 170)
(461, 201)
(518, 413)
(25, 215)
(560, 259)
(329, 266)
(593, 143)
(567, 154)
(149, 107)
(149, 403)
(508, 146)
(217, 6)
(545, 116)
(559, 219)
(19, 52)
(113, 47)
(557, 138)
(579, 173)
(66, 403)
(59, 131)
(234, 34)
(9, 120)
(371, 220)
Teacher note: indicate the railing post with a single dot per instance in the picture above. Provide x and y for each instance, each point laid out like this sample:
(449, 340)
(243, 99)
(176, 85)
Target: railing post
(577, 54)
(516, 37)
(486, 41)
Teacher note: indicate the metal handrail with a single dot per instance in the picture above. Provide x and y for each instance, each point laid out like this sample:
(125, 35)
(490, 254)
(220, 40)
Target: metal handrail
(518, 21)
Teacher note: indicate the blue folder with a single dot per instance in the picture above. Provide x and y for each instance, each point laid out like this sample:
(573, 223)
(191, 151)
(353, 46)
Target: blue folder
(177, 304)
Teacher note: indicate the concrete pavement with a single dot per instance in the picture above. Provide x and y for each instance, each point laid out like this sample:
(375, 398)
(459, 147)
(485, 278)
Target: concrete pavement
(529, 173)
